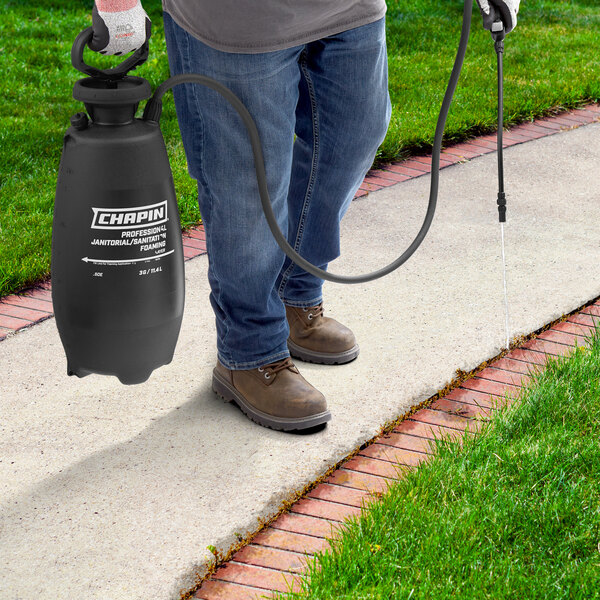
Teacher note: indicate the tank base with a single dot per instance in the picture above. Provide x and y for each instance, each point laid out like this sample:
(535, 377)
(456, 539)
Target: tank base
(131, 356)
(130, 378)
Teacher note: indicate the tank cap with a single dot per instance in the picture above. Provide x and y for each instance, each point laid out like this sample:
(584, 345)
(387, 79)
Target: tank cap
(129, 90)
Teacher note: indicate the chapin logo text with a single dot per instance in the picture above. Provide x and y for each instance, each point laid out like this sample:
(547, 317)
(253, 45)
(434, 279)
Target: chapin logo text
(130, 218)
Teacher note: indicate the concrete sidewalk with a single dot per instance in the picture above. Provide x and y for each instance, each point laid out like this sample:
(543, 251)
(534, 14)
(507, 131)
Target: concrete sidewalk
(115, 492)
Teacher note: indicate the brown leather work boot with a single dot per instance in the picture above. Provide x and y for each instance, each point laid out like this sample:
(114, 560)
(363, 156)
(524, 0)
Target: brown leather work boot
(318, 339)
(275, 395)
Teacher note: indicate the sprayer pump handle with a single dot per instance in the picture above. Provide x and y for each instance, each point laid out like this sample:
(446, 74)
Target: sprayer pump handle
(84, 38)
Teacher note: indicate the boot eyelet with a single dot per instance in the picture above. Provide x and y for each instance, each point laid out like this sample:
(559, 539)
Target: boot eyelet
(267, 376)
(310, 316)
(260, 369)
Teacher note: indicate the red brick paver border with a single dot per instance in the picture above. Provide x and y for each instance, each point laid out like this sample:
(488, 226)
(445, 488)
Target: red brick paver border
(34, 305)
(274, 559)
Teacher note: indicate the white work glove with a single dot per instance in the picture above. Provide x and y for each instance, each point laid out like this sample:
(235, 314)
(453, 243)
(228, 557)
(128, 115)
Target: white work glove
(499, 10)
(120, 26)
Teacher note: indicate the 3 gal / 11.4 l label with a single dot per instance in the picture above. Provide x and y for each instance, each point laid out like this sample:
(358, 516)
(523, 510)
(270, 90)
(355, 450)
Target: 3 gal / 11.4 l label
(127, 236)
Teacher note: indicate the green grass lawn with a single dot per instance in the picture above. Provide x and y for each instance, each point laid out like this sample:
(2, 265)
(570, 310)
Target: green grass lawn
(512, 514)
(552, 60)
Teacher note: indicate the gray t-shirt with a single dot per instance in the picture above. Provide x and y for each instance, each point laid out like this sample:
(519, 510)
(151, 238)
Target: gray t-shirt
(254, 26)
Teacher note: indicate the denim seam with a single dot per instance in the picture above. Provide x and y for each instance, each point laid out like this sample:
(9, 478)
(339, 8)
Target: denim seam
(203, 180)
(313, 170)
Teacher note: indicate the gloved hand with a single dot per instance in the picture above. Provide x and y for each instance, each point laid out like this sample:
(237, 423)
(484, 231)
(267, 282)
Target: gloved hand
(499, 10)
(120, 26)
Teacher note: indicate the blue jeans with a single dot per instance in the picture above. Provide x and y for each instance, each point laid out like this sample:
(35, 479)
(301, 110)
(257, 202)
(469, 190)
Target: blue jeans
(333, 95)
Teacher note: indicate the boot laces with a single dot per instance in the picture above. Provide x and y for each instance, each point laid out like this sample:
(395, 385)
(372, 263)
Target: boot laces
(314, 311)
(274, 368)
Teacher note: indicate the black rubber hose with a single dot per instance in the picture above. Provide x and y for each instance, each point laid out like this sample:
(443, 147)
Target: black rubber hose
(154, 107)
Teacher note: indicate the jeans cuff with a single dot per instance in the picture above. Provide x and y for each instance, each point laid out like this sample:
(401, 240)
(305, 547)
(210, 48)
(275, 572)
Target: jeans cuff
(253, 364)
(303, 303)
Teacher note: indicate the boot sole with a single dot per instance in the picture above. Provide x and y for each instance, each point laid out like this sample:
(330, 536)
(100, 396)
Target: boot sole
(228, 393)
(323, 358)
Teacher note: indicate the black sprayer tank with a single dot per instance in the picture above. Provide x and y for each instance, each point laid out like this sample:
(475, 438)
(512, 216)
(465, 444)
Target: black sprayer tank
(117, 257)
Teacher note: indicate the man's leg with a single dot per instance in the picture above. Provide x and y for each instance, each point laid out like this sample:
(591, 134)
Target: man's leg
(244, 259)
(341, 119)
